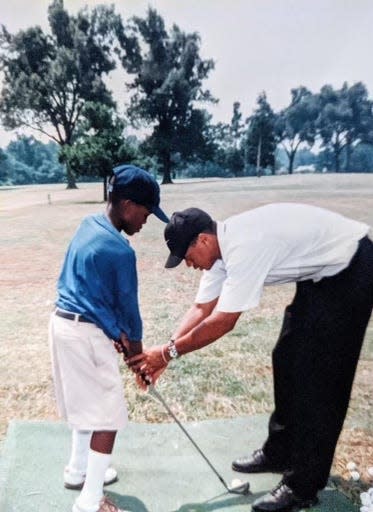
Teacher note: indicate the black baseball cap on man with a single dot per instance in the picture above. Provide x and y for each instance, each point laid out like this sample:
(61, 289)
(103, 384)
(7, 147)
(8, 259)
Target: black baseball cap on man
(182, 229)
(131, 182)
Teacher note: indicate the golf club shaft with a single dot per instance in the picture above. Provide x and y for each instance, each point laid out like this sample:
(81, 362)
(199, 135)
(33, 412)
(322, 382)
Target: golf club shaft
(157, 395)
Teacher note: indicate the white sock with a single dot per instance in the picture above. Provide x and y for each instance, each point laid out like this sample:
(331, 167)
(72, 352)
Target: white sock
(79, 450)
(92, 492)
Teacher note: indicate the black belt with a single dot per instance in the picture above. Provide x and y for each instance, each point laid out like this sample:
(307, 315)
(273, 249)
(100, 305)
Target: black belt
(72, 316)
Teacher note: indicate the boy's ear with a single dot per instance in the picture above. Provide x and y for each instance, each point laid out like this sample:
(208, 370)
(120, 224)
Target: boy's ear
(125, 203)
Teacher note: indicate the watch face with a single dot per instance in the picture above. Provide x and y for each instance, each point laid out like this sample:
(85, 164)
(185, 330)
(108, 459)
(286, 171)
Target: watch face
(172, 351)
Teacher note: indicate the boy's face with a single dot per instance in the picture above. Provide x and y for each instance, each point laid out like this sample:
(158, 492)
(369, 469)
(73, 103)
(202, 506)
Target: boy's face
(133, 216)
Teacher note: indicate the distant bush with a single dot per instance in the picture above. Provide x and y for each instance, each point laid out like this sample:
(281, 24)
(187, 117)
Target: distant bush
(204, 170)
(26, 161)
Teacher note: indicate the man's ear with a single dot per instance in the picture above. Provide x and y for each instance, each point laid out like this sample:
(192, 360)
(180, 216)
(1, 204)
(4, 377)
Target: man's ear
(203, 238)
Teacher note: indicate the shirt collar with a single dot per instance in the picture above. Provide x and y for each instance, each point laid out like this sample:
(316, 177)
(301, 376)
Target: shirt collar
(221, 228)
(104, 221)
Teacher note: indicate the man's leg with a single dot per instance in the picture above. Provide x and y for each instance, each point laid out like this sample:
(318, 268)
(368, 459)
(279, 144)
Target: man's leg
(275, 454)
(332, 323)
(99, 458)
(278, 444)
(325, 373)
(336, 315)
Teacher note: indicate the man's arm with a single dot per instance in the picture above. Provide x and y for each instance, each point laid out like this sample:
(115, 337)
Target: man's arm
(154, 360)
(207, 331)
(194, 317)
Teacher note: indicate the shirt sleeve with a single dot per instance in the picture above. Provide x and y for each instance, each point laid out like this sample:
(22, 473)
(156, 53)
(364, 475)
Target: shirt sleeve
(211, 283)
(114, 290)
(247, 267)
(127, 303)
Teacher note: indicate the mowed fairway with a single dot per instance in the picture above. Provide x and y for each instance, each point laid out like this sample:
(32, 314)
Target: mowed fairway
(231, 377)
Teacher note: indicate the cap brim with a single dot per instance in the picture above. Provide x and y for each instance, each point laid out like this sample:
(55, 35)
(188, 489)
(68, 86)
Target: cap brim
(158, 212)
(173, 261)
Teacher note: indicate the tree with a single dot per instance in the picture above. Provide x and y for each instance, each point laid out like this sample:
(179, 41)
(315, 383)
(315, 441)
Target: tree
(237, 126)
(226, 144)
(219, 137)
(305, 157)
(168, 74)
(260, 142)
(49, 77)
(31, 161)
(4, 172)
(99, 144)
(345, 119)
(295, 124)
(234, 157)
(362, 158)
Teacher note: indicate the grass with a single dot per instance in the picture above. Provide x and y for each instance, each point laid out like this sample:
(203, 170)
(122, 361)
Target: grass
(229, 378)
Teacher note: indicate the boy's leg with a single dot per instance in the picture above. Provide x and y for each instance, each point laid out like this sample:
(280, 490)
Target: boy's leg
(81, 440)
(75, 471)
(99, 458)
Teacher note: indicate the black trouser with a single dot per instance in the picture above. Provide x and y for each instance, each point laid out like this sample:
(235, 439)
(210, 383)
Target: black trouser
(314, 364)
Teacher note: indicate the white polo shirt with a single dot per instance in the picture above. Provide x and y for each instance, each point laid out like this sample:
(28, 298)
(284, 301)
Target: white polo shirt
(273, 244)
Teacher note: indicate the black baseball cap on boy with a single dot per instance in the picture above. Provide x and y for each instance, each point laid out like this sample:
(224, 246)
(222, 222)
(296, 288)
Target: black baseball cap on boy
(131, 182)
(182, 229)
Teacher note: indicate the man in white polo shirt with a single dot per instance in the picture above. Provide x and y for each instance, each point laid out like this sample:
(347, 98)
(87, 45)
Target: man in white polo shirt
(330, 258)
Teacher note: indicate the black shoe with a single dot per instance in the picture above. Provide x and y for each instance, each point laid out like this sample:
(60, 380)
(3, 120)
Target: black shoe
(282, 499)
(258, 462)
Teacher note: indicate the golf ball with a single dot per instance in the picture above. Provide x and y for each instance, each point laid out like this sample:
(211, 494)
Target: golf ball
(351, 466)
(355, 475)
(236, 482)
(370, 471)
(365, 499)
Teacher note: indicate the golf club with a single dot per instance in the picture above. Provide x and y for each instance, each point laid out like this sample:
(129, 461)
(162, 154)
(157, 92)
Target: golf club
(240, 489)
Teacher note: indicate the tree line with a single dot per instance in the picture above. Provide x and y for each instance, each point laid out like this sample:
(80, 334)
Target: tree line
(54, 83)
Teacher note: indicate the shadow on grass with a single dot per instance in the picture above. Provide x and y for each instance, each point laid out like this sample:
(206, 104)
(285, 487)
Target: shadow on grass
(330, 500)
(223, 504)
(349, 488)
(128, 503)
(134, 504)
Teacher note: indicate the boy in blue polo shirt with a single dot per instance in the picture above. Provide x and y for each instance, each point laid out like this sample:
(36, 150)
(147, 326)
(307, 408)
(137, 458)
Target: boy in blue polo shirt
(97, 310)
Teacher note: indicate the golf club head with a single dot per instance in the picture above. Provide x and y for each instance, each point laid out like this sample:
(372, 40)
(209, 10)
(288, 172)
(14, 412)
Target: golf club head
(240, 489)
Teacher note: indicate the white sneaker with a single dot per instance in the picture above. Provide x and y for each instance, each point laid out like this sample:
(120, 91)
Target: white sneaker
(74, 480)
(106, 505)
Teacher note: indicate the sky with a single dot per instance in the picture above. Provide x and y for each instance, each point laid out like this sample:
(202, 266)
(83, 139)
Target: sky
(257, 45)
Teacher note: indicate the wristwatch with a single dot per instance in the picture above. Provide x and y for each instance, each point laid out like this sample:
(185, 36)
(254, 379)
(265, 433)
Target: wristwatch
(171, 349)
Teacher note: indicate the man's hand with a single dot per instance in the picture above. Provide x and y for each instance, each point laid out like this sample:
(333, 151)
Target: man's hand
(140, 381)
(151, 362)
(155, 376)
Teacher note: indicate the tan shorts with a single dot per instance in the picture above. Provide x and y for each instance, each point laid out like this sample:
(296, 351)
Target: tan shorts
(87, 381)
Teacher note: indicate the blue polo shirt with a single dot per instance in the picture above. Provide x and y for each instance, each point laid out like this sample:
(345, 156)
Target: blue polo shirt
(99, 279)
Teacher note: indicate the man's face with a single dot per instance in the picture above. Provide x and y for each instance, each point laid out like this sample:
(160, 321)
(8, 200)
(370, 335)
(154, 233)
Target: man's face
(133, 217)
(200, 254)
